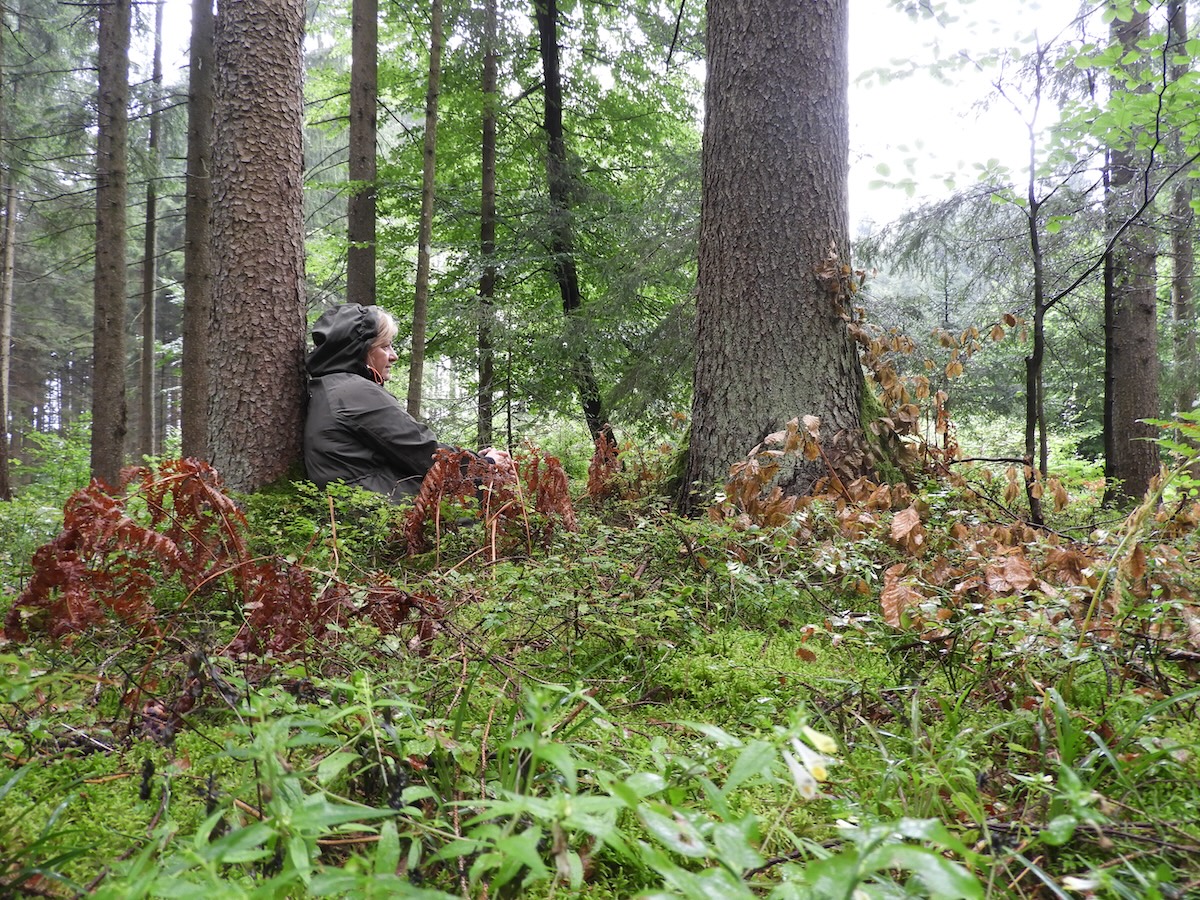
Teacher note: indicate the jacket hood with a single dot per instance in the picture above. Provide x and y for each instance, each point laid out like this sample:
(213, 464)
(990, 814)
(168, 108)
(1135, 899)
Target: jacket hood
(341, 339)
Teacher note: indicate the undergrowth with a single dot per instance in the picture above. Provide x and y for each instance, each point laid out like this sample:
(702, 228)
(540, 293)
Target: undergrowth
(883, 690)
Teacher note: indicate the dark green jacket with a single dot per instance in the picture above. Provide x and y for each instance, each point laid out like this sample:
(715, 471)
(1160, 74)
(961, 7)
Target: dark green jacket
(355, 431)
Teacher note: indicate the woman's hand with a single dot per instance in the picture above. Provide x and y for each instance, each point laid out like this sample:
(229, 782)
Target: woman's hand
(499, 457)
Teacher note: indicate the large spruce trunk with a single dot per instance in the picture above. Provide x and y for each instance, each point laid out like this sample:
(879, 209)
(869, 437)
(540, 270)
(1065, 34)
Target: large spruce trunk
(770, 343)
(258, 323)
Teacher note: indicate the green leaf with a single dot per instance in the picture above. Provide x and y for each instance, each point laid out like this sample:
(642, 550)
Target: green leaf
(931, 831)
(243, 845)
(754, 760)
(732, 843)
(333, 765)
(940, 877)
(523, 847)
(675, 833)
(560, 757)
(297, 851)
(717, 735)
(836, 876)
(387, 851)
(1059, 830)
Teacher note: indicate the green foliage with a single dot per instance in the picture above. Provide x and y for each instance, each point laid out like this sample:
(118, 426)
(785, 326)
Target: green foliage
(647, 706)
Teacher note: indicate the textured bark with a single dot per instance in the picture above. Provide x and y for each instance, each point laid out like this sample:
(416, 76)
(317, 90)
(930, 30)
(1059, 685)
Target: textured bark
(487, 232)
(7, 258)
(1183, 243)
(8, 239)
(258, 322)
(148, 393)
(1132, 321)
(416, 365)
(197, 249)
(364, 87)
(770, 344)
(108, 341)
(562, 237)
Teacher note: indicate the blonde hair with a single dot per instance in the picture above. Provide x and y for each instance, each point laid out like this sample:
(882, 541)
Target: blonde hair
(385, 328)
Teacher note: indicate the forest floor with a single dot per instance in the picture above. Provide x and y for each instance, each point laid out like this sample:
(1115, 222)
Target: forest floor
(883, 692)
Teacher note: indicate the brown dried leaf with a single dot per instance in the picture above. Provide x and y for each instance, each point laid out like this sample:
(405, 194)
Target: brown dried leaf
(896, 598)
(1013, 574)
(907, 530)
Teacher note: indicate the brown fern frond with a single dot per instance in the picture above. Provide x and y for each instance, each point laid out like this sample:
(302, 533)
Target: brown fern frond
(546, 482)
(603, 467)
(280, 613)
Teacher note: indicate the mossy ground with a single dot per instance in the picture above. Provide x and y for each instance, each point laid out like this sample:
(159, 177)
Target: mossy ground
(620, 643)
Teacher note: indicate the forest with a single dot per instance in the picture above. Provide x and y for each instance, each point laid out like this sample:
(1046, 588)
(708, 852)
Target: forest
(837, 557)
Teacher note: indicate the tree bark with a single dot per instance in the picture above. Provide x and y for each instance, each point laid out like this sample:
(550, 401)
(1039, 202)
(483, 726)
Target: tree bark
(1183, 242)
(487, 233)
(197, 247)
(8, 237)
(360, 258)
(147, 418)
(562, 238)
(771, 344)
(7, 260)
(259, 317)
(416, 366)
(1132, 324)
(108, 342)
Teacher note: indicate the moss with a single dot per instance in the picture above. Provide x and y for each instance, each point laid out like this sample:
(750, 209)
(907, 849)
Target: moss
(884, 455)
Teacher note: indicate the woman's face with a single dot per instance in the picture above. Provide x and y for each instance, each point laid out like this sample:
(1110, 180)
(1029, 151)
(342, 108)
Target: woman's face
(380, 359)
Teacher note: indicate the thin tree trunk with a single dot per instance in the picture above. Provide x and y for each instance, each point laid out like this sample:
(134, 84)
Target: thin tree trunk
(198, 266)
(562, 239)
(147, 431)
(7, 259)
(360, 258)
(1133, 322)
(1183, 241)
(1036, 453)
(487, 232)
(108, 345)
(416, 370)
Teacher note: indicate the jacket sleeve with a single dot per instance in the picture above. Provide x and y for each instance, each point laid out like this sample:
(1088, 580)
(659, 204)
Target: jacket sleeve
(386, 427)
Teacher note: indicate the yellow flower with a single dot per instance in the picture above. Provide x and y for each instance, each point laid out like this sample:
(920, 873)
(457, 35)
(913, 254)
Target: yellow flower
(813, 761)
(805, 783)
(823, 742)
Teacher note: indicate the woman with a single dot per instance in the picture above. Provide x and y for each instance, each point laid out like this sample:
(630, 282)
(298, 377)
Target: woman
(355, 431)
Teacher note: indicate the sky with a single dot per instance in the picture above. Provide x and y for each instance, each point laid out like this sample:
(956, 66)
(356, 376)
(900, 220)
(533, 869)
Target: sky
(936, 127)
(916, 121)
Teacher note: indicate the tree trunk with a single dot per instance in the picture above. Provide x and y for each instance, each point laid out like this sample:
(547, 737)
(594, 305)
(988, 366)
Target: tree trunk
(771, 344)
(562, 237)
(416, 367)
(360, 258)
(197, 245)
(7, 259)
(1036, 439)
(259, 319)
(487, 232)
(147, 430)
(108, 343)
(1183, 243)
(1133, 323)
(8, 239)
